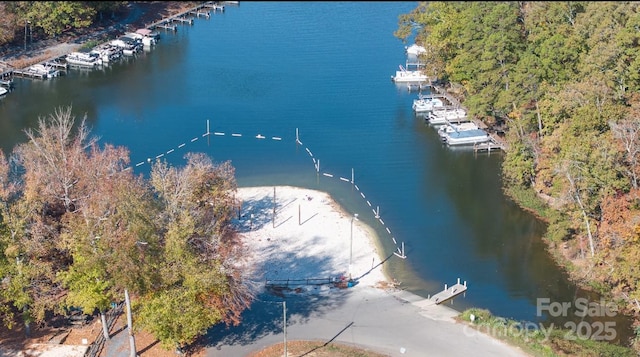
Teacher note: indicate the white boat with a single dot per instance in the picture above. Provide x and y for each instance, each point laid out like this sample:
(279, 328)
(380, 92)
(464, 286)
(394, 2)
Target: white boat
(43, 71)
(451, 127)
(6, 82)
(108, 53)
(148, 37)
(405, 76)
(3, 91)
(129, 45)
(426, 104)
(466, 137)
(87, 59)
(444, 116)
(415, 50)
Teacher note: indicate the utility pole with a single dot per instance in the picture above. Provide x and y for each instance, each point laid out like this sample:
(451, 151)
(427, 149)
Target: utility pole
(355, 216)
(284, 326)
(132, 340)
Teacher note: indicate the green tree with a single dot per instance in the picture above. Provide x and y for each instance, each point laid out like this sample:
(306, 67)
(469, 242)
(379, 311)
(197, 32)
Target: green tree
(54, 17)
(201, 281)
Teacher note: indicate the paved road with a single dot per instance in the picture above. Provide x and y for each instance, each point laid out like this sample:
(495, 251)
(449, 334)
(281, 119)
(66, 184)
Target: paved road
(392, 323)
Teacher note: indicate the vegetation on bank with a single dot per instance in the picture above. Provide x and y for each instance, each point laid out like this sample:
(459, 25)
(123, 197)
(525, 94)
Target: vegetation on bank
(561, 80)
(46, 19)
(316, 349)
(78, 229)
(538, 340)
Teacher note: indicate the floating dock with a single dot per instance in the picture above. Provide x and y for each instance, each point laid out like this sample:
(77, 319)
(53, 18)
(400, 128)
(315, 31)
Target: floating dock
(183, 20)
(412, 86)
(214, 6)
(493, 144)
(449, 292)
(199, 13)
(165, 26)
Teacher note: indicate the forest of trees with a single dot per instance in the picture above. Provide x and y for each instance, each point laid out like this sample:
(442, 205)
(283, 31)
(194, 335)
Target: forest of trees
(47, 19)
(78, 228)
(562, 78)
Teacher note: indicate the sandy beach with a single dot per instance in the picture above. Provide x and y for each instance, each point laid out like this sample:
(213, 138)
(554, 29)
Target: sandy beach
(311, 237)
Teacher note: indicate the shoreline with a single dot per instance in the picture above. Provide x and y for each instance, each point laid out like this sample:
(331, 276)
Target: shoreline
(310, 237)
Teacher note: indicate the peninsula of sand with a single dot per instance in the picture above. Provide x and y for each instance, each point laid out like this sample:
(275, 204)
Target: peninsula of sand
(308, 236)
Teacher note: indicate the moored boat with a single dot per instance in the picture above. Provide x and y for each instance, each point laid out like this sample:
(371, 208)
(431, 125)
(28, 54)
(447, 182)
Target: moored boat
(415, 50)
(43, 71)
(426, 104)
(108, 53)
(87, 59)
(444, 116)
(406, 76)
(451, 127)
(466, 137)
(129, 45)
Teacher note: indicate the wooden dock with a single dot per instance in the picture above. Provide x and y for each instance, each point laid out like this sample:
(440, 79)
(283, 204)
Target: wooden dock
(493, 144)
(183, 20)
(449, 292)
(496, 143)
(165, 26)
(199, 13)
(411, 86)
(26, 74)
(214, 6)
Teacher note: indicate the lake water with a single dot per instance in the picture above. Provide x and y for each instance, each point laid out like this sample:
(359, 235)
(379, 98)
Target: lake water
(323, 68)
